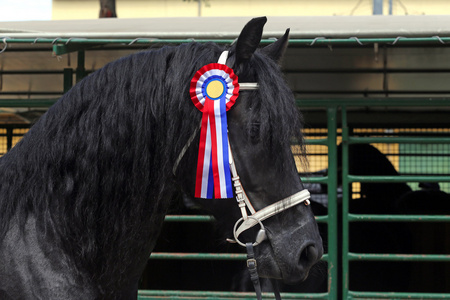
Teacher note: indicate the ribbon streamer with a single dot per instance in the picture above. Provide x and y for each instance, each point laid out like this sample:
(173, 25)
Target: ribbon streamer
(214, 89)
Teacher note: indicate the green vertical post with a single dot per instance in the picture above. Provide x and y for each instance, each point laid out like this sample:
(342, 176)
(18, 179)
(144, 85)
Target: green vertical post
(332, 204)
(345, 205)
(9, 136)
(81, 71)
(68, 79)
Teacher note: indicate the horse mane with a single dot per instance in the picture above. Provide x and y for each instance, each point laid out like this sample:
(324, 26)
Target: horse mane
(99, 162)
(101, 157)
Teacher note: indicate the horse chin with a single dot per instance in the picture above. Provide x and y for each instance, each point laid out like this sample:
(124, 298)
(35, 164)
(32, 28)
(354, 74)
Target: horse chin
(295, 280)
(269, 268)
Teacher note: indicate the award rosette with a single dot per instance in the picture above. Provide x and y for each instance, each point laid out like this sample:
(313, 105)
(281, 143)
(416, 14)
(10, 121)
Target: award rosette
(214, 89)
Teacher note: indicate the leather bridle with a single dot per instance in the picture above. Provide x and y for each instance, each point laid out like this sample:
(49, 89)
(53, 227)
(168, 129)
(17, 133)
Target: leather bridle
(256, 217)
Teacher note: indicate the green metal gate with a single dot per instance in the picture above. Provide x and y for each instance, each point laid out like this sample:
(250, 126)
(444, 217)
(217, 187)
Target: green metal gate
(347, 217)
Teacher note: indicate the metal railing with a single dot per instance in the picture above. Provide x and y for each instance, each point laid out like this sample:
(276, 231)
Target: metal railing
(347, 217)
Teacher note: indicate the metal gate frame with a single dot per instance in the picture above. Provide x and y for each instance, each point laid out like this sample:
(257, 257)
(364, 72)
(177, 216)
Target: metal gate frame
(342, 105)
(348, 217)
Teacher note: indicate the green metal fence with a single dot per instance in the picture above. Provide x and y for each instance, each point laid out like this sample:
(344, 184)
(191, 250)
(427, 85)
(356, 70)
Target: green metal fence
(348, 217)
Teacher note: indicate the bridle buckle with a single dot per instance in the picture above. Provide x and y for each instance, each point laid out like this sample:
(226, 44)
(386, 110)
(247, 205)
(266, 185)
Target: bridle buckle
(251, 263)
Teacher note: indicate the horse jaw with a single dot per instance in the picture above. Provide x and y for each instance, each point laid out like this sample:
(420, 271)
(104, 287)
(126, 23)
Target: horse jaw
(289, 254)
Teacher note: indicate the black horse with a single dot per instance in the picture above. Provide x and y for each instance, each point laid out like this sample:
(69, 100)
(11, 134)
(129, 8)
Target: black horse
(83, 195)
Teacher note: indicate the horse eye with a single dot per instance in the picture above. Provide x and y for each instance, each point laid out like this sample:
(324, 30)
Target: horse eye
(255, 132)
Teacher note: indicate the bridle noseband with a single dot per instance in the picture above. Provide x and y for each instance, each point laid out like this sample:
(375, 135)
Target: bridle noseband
(256, 217)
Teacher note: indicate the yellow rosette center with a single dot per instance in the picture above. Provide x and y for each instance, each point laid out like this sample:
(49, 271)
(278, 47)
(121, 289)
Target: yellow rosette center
(214, 89)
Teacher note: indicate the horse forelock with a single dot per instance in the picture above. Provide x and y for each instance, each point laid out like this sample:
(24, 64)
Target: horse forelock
(273, 108)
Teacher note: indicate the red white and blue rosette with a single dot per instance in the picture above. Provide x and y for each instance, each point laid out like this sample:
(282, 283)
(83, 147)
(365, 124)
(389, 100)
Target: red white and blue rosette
(214, 89)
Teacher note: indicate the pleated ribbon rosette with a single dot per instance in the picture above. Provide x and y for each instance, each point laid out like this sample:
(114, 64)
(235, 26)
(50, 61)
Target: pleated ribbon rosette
(214, 89)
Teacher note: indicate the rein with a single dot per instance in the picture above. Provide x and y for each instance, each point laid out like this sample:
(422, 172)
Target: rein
(256, 217)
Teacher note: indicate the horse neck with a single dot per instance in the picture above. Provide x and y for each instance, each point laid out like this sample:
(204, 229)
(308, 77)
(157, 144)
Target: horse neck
(96, 169)
(103, 146)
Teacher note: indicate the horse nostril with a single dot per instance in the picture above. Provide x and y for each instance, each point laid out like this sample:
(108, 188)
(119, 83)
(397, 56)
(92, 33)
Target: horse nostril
(309, 255)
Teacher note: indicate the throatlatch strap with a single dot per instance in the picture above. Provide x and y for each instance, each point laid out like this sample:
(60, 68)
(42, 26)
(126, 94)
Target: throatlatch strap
(251, 266)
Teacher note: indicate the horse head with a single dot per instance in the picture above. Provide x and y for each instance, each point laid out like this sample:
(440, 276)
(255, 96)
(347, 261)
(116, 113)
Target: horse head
(261, 126)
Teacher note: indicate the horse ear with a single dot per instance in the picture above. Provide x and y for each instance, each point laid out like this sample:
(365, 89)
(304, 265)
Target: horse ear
(276, 50)
(249, 39)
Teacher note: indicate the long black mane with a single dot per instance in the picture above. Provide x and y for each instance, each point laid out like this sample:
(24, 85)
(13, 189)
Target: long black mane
(103, 154)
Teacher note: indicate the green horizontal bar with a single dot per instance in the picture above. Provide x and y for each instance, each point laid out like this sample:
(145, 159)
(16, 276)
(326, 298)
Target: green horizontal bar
(393, 295)
(420, 101)
(399, 178)
(398, 218)
(158, 294)
(189, 218)
(307, 42)
(321, 219)
(400, 140)
(398, 257)
(322, 179)
(125, 42)
(362, 41)
(59, 49)
(27, 103)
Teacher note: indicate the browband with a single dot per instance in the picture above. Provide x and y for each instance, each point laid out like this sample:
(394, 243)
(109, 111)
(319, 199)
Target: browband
(242, 86)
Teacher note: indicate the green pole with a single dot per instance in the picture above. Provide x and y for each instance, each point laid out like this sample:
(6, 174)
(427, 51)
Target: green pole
(9, 136)
(345, 205)
(332, 204)
(68, 79)
(81, 71)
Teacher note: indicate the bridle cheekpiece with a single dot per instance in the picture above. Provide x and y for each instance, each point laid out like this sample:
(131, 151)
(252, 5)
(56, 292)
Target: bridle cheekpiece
(214, 89)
